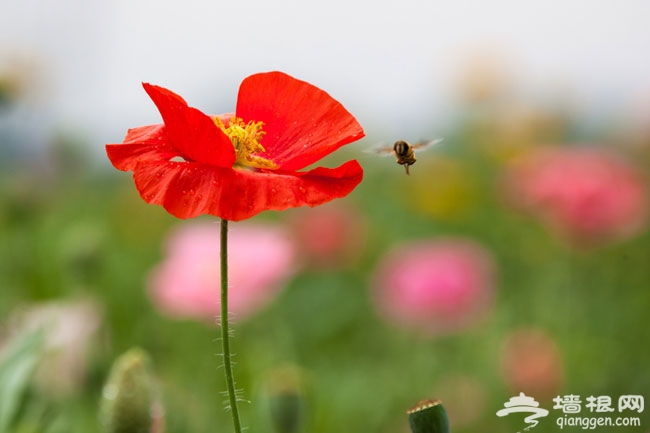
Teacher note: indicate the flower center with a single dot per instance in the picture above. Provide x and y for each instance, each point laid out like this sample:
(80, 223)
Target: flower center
(246, 139)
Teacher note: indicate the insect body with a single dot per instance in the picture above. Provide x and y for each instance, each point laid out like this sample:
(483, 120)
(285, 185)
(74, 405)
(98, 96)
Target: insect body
(405, 152)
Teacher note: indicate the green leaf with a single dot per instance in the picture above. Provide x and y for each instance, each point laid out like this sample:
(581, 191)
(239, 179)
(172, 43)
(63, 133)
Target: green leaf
(17, 364)
(429, 416)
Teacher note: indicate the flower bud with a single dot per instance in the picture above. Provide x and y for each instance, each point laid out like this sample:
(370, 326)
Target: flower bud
(286, 399)
(128, 399)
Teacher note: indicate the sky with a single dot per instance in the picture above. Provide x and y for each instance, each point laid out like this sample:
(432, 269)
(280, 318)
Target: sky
(395, 65)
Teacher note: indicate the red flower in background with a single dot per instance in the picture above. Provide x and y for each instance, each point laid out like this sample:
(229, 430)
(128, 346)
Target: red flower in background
(235, 166)
(329, 237)
(532, 361)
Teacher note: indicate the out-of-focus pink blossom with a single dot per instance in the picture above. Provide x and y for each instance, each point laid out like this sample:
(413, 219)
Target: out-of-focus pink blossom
(435, 286)
(586, 195)
(329, 236)
(187, 283)
(531, 363)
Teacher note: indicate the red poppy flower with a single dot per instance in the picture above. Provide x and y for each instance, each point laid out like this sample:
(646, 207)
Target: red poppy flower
(237, 165)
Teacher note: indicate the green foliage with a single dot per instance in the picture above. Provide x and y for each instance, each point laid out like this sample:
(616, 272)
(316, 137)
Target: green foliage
(17, 364)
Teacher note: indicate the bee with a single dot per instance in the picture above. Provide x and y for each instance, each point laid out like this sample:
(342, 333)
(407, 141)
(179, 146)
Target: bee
(404, 151)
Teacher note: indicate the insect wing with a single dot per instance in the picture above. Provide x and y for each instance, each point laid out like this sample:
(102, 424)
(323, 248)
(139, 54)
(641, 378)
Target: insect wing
(423, 145)
(381, 149)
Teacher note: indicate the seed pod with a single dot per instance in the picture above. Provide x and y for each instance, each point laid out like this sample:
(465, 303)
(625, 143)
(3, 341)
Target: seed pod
(429, 416)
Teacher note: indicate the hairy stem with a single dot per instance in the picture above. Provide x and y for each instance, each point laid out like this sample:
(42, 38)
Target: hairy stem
(225, 335)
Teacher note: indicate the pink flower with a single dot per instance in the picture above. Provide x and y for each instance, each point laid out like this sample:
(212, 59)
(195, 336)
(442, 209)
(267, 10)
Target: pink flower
(531, 363)
(586, 195)
(435, 286)
(187, 284)
(329, 236)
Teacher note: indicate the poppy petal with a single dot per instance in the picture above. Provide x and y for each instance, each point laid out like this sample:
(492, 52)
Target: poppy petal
(145, 143)
(192, 133)
(302, 122)
(146, 134)
(187, 190)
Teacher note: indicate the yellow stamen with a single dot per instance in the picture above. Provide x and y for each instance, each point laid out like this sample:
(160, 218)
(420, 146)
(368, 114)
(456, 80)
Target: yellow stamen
(246, 139)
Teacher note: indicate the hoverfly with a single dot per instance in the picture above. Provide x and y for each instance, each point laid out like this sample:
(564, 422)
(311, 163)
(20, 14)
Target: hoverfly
(404, 151)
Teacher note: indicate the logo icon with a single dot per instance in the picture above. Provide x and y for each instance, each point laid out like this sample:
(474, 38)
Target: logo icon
(522, 403)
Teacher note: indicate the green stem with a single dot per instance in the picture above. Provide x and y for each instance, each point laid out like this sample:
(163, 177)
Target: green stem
(225, 336)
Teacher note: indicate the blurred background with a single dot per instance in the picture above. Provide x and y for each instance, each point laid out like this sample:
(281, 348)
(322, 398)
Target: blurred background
(514, 258)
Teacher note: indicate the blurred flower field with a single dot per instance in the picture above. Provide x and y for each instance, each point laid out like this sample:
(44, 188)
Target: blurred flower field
(514, 258)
